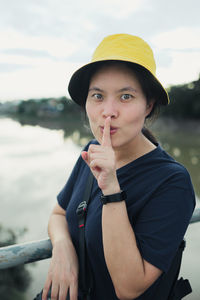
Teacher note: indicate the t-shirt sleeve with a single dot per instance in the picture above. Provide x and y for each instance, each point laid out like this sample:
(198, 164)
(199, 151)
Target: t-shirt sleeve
(162, 223)
(65, 194)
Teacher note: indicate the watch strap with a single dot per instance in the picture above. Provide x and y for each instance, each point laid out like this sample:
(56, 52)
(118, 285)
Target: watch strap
(121, 196)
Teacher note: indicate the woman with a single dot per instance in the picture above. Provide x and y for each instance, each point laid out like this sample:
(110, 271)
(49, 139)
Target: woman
(132, 240)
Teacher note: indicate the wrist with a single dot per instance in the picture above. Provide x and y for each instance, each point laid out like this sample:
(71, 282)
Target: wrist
(61, 242)
(112, 188)
(110, 191)
(112, 198)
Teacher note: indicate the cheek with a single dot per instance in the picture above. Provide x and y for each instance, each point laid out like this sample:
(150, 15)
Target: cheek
(91, 114)
(89, 110)
(136, 115)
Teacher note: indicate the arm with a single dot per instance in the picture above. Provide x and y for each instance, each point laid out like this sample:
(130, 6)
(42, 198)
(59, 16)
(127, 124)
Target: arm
(63, 271)
(131, 274)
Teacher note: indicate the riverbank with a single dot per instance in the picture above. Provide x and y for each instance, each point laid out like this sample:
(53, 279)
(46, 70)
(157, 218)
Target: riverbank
(170, 125)
(77, 119)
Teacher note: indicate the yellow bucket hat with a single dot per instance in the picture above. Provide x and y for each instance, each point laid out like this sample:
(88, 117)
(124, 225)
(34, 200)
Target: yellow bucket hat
(117, 47)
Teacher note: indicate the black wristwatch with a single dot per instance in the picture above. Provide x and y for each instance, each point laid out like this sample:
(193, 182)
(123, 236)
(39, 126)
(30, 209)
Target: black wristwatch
(113, 198)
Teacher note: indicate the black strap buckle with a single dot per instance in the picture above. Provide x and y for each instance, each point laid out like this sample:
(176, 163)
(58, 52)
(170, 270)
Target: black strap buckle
(81, 209)
(81, 212)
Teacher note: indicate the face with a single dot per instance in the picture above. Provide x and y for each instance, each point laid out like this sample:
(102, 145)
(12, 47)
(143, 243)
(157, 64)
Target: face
(115, 91)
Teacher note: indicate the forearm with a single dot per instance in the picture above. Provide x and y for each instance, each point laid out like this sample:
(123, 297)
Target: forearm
(122, 255)
(63, 270)
(58, 229)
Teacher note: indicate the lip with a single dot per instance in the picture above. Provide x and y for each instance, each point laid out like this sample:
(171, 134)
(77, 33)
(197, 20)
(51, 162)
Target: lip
(113, 130)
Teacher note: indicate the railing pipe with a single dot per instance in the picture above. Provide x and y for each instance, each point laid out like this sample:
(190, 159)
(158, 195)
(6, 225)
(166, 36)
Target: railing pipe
(18, 254)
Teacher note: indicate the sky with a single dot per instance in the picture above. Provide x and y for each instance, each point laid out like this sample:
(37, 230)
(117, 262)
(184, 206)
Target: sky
(42, 42)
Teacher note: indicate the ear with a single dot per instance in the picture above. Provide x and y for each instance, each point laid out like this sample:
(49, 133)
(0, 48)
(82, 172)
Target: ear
(149, 107)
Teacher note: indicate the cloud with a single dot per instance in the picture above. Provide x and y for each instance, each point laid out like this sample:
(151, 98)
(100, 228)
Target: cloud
(182, 38)
(57, 47)
(180, 52)
(8, 67)
(43, 80)
(119, 9)
(183, 68)
(43, 42)
(25, 52)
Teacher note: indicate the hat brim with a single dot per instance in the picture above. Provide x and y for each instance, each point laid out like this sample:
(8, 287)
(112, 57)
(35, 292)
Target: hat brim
(80, 80)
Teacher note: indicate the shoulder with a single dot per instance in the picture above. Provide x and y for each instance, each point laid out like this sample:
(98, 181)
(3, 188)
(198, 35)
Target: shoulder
(166, 173)
(76, 180)
(173, 168)
(174, 179)
(85, 148)
(80, 164)
(161, 165)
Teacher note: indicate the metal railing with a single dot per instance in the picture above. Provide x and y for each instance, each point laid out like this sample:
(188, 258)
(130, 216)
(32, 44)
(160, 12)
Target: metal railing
(18, 254)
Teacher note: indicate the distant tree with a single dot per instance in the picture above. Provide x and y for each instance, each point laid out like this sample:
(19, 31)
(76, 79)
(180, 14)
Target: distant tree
(184, 101)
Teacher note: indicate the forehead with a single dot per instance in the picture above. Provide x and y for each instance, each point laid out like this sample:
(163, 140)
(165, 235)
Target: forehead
(109, 72)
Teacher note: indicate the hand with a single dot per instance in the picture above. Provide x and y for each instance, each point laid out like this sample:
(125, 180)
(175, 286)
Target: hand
(101, 160)
(63, 273)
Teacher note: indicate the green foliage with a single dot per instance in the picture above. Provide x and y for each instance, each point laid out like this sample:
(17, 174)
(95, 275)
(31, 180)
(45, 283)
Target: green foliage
(184, 101)
(13, 281)
(49, 107)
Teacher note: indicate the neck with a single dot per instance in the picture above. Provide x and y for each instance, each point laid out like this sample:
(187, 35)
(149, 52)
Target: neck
(131, 152)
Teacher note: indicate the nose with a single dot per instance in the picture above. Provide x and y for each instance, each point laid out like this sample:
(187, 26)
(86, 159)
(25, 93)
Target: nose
(110, 109)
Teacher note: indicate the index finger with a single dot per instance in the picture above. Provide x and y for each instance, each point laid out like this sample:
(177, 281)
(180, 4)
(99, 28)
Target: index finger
(106, 139)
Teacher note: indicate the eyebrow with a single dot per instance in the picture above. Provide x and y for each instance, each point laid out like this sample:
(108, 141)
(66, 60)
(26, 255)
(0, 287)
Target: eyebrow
(125, 89)
(95, 89)
(128, 88)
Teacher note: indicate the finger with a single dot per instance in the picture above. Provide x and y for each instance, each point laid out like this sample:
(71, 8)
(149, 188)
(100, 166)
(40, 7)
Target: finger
(106, 139)
(54, 292)
(73, 291)
(94, 148)
(98, 164)
(63, 291)
(46, 289)
(84, 156)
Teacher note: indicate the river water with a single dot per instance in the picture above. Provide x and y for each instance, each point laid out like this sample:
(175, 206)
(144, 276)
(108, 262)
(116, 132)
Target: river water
(35, 163)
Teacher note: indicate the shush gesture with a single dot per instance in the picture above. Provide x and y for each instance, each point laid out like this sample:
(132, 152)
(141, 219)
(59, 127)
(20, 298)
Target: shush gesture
(101, 160)
(106, 139)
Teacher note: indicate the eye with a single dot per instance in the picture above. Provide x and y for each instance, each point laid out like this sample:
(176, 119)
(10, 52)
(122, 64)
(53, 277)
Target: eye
(97, 96)
(126, 97)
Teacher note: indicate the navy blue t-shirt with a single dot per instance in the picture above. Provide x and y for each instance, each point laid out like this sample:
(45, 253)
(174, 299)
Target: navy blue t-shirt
(160, 202)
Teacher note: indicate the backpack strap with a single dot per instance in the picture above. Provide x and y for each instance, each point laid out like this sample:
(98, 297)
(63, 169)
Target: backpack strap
(85, 276)
(170, 288)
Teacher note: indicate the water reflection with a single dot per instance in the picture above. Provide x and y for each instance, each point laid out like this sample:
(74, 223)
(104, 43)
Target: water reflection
(35, 163)
(73, 126)
(179, 139)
